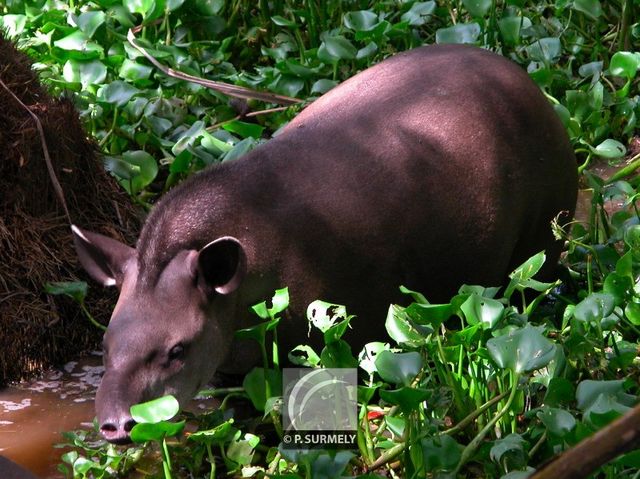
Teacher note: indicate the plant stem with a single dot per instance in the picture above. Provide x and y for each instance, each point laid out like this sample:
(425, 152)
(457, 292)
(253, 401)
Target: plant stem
(212, 461)
(387, 456)
(367, 453)
(624, 40)
(221, 391)
(471, 417)
(455, 386)
(634, 164)
(538, 444)
(91, 318)
(166, 462)
(476, 441)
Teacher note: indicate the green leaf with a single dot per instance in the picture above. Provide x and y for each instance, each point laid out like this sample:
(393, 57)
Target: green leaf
(546, 50)
(143, 7)
(244, 129)
(419, 13)
(431, 315)
(220, 434)
(560, 392)
(77, 290)
(632, 239)
(240, 149)
(477, 8)
(120, 14)
(369, 50)
(441, 452)
(522, 350)
(257, 332)
(241, 451)
(376, 34)
(142, 169)
(335, 332)
(254, 385)
(416, 296)
(13, 24)
(324, 464)
(407, 398)
(632, 312)
(557, 421)
(144, 432)
(460, 33)
(521, 277)
(308, 359)
(335, 48)
(324, 315)
(173, 5)
(396, 424)
(610, 149)
(78, 41)
(603, 401)
(511, 446)
(213, 144)
(361, 20)
(563, 113)
(117, 92)
(591, 8)
(337, 354)
(209, 7)
(89, 22)
(588, 392)
(403, 330)
(590, 69)
(510, 29)
(367, 356)
(323, 85)
(160, 409)
(624, 64)
(485, 311)
(617, 286)
(133, 71)
(86, 73)
(283, 22)
(594, 308)
(398, 368)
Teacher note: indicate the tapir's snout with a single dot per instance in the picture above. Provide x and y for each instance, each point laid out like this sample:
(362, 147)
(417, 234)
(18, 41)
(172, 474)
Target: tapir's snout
(117, 430)
(112, 409)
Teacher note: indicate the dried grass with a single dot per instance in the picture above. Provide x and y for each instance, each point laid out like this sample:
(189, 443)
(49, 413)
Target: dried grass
(38, 330)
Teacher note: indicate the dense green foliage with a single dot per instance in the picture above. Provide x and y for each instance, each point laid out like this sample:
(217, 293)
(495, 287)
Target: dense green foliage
(493, 392)
(155, 130)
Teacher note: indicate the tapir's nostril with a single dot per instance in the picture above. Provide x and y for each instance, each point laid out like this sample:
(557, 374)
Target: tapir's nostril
(128, 426)
(108, 428)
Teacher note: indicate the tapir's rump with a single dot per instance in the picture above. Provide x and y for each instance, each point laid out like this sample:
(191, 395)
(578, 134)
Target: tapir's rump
(440, 166)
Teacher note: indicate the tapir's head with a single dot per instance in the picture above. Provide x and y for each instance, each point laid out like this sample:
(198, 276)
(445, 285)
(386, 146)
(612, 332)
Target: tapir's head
(166, 336)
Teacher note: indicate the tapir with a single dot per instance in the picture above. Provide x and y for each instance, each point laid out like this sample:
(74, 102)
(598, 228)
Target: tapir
(439, 166)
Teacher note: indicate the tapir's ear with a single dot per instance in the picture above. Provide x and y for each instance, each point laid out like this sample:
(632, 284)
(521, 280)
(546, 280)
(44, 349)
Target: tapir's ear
(102, 257)
(222, 265)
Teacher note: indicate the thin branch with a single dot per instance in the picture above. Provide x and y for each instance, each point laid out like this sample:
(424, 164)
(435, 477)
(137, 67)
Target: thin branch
(225, 88)
(45, 150)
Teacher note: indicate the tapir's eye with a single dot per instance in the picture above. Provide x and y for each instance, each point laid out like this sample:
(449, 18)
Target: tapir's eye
(176, 352)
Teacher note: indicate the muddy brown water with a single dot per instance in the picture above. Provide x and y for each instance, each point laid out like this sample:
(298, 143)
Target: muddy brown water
(33, 414)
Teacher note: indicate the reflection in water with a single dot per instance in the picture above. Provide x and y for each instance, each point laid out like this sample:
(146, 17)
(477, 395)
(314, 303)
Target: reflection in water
(33, 414)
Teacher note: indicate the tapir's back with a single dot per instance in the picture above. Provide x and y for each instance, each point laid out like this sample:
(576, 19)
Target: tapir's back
(439, 166)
